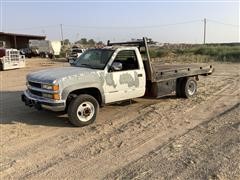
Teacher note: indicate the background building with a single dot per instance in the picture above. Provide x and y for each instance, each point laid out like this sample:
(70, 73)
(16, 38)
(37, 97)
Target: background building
(18, 41)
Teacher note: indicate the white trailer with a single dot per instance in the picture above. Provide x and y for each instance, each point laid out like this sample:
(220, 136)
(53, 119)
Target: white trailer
(45, 48)
(56, 46)
(11, 59)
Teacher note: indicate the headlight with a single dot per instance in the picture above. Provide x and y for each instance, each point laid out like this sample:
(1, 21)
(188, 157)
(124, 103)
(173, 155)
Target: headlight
(50, 87)
(46, 86)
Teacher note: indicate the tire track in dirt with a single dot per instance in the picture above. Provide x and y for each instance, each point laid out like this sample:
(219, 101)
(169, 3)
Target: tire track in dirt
(51, 139)
(208, 151)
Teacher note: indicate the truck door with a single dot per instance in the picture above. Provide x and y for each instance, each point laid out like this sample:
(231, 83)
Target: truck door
(129, 81)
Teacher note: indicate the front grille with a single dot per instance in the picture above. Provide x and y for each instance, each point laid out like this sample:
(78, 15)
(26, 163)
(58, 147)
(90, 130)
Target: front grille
(37, 93)
(33, 84)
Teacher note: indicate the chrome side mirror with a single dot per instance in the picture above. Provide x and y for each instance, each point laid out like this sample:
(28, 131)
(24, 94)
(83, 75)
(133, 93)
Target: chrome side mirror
(116, 66)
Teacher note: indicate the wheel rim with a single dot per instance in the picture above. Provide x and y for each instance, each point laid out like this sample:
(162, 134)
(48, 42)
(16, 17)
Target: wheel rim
(85, 111)
(191, 88)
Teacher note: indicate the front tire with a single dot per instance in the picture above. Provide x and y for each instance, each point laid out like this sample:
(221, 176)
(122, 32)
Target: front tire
(83, 110)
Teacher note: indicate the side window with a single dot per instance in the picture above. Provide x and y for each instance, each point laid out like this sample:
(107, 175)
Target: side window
(128, 59)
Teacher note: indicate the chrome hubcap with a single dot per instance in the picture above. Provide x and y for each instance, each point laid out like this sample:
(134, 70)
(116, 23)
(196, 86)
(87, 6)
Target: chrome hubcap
(85, 111)
(191, 88)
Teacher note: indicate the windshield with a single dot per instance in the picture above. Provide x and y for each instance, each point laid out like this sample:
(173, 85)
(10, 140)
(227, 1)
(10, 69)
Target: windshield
(94, 58)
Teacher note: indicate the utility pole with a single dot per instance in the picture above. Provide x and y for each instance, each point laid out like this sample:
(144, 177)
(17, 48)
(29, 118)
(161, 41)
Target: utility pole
(61, 33)
(44, 32)
(205, 28)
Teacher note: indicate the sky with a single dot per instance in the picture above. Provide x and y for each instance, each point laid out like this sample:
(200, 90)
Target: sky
(173, 21)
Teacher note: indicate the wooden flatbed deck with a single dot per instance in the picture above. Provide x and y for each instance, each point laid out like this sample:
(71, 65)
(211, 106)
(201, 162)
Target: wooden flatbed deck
(162, 72)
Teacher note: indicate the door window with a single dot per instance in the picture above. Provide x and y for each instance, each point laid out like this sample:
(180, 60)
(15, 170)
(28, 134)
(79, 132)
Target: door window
(128, 59)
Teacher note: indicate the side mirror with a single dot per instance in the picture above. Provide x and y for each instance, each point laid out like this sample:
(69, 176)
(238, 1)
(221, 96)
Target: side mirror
(71, 61)
(116, 66)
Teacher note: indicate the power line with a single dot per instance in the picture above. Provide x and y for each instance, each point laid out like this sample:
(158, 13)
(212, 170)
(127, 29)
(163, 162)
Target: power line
(35, 27)
(219, 22)
(123, 27)
(131, 27)
(105, 27)
(122, 1)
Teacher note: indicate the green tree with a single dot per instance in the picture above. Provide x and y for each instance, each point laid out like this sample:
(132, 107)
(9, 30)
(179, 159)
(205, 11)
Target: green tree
(82, 41)
(66, 41)
(100, 43)
(91, 42)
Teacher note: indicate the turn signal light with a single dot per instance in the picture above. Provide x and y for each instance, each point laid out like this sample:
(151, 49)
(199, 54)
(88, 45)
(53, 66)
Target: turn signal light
(55, 87)
(56, 96)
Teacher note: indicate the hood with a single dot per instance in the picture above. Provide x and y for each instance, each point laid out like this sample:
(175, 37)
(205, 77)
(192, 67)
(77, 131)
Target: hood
(56, 74)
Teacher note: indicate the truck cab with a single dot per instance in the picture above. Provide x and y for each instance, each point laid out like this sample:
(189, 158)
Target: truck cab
(106, 75)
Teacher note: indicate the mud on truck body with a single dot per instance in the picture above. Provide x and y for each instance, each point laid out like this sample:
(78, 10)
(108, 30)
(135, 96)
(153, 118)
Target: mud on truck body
(101, 76)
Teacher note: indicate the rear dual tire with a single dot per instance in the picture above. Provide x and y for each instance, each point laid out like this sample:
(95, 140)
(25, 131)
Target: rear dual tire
(186, 87)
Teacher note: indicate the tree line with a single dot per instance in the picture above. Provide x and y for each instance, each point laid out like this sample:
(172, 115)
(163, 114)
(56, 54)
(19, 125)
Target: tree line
(83, 41)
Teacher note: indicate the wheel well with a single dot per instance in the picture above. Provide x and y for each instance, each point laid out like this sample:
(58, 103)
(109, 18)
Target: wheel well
(90, 91)
(187, 77)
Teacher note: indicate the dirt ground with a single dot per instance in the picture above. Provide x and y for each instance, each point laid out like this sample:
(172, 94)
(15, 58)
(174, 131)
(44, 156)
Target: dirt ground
(167, 138)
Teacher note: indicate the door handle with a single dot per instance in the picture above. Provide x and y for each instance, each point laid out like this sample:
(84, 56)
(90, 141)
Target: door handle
(140, 75)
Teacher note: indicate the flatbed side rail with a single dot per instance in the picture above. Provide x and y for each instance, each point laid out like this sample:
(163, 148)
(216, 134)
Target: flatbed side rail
(163, 75)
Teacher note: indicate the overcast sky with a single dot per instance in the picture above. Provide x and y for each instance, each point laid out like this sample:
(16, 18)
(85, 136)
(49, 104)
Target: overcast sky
(163, 21)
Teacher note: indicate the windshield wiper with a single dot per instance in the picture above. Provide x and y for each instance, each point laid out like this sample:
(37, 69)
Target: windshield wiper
(86, 65)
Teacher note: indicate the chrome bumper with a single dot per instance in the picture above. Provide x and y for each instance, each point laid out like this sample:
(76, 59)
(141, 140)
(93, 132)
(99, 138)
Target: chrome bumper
(39, 103)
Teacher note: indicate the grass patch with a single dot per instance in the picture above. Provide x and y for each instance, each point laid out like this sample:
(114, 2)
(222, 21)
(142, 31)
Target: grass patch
(201, 53)
(221, 53)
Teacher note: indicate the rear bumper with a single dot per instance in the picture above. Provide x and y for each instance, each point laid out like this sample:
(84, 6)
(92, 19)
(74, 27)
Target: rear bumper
(42, 104)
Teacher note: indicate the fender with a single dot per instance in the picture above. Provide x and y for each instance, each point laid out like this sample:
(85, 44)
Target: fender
(66, 91)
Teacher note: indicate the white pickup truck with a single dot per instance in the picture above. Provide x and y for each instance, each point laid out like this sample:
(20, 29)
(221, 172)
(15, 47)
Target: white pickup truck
(107, 75)
(75, 53)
